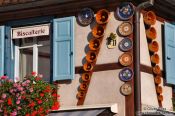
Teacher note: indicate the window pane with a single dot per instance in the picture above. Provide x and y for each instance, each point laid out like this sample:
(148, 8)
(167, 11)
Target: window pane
(26, 42)
(26, 62)
(44, 57)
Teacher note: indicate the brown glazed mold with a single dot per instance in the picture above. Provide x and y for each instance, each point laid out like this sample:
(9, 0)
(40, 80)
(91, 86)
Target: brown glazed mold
(156, 70)
(102, 16)
(94, 44)
(151, 33)
(157, 80)
(83, 86)
(80, 94)
(149, 18)
(159, 89)
(86, 77)
(98, 31)
(91, 56)
(88, 66)
(160, 98)
(153, 46)
(155, 59)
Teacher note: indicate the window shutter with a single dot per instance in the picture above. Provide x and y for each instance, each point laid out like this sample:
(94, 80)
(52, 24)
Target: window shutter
(9, 53)
(2, 38)
(170, 53)
(63, 48)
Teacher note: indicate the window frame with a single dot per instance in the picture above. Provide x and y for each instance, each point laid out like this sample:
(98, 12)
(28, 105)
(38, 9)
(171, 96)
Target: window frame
(70, 24)
(21, 23)
(35, 56)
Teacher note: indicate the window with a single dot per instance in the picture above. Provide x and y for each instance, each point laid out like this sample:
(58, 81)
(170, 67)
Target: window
(32, 54)
(170, 53)
(51, 55)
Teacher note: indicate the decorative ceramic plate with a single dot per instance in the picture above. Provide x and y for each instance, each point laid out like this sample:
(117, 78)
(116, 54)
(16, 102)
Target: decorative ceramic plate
(125, 29)
(125, 59)
(85, 16)
(126, 89)
(125, 11)
(126, 74)
(125, 44)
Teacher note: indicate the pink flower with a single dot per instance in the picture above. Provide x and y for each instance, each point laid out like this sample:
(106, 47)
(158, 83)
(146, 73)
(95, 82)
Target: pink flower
(15, 85)
(11, 90)
(19, 97)
(24, 84)
(19, 108)
(22, 92)
(1, 101)
(18, 102)
(28, 81)
(20, 88)
(4, 77)
(10, 80)
(14, 113)
(40, 75)
(17, 78)
(4, 95)
(31, 90)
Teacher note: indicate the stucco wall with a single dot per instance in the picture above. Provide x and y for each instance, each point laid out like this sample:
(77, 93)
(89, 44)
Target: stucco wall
(149, 96)
(103, 89)
(105, 85)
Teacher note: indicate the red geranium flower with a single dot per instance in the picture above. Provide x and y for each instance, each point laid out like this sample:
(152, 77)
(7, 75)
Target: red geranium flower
(9, 101)
(40, 110)
(41, 94)
(40, 101)
(34, 113)
(37, 78)
(23, 97)
(47, 111)
(27, 115)
(54, 95)
(55, 106)
(4, 77)
(48, 89)
(32, 104)
(33, 73)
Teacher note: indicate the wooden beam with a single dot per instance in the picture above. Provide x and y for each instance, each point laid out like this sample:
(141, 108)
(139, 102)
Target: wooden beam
(57, 10)
(100, 67)
(115, 66)
(148, 69)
